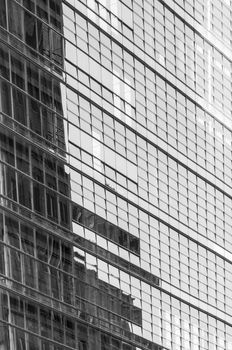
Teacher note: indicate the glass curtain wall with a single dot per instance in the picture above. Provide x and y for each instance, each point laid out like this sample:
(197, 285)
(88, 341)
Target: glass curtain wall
(115, 175)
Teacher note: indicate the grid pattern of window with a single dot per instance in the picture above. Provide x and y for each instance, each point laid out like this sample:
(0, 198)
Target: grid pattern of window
(115, 175)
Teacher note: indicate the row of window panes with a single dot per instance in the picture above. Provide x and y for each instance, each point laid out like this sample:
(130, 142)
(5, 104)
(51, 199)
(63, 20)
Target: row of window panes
(67, 210)
(220, 20)
(35, 33)
(144, 158)
(49, 12)
(144, 233)
(141, 182)
(161, 189)
(178, 128)
(172, 314)
(54, 326)
(182, 55)
(113, 253)
(112, 232)
(104, 269)
(57, 279)
(52, 281)
(195, 8)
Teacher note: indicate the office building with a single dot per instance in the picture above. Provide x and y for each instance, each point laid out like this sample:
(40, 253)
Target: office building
(115, 175)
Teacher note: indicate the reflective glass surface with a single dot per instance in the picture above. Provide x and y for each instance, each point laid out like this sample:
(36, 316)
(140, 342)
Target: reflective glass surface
(115, 175)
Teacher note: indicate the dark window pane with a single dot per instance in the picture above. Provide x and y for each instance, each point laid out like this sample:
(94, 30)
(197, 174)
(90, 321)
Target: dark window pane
(51, 181)
(19, 103)
(17, 310)
(14, 262)
(33, 81)
(22, 157)
(77, 214)
(82, 335)
(15, 19)
(70, 333)
(24, 191)
(2, 258)
(89, 219)
(48, 125)
(52, 211)
(38, 198)
(105, 342)
(33, 342)
(42, 9)
(111, 231)
(46, 345)
(64, 212)
(100, 225)
(57, 52)
(20, 340)
(31, 317)
(46, 89)
(43, 39)
(5, 98)
(54, 252)
(45, 323)
(122, 238)
(29, 4)
(3, 13)
(30, 30)
(17, 71)
(63, 188)
(57, 98)
(43, 278)
(27, 239)
(12, 231)
(4, 60)
(9, 177)
(37, 165)
(134, 244)
(42, 246)
(42, 254)
(55, 13)
(58, 328)
(7, 148)
(50, 166)
(4, 335)
(34, 116)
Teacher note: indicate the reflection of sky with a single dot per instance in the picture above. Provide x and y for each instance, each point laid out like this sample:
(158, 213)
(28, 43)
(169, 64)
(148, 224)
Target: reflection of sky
(125, 91)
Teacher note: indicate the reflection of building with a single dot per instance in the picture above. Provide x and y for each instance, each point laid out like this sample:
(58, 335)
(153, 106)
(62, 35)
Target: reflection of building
(115, 175)
(50, 297)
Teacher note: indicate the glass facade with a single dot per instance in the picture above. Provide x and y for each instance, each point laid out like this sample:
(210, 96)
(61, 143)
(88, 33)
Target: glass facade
(115, 175)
